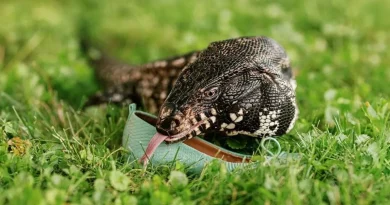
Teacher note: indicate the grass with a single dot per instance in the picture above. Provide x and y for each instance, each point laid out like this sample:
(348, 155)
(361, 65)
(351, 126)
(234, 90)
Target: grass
(53, 153)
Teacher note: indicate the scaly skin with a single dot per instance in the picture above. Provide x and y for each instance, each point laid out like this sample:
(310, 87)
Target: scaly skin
(237, 86)
(146, 85)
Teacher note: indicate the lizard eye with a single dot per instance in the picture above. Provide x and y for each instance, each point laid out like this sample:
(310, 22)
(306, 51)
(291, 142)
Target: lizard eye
(210, 93)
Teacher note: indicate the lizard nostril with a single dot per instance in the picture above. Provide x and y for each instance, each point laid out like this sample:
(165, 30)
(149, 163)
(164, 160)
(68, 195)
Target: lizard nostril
(174, 124)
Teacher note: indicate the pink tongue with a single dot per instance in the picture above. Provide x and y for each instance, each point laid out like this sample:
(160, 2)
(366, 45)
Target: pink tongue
(152, 146)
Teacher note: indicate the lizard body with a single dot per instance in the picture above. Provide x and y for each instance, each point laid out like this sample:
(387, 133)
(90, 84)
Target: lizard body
(236, 86)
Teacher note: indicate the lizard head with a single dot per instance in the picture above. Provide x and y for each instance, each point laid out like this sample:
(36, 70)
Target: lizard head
(236, 86)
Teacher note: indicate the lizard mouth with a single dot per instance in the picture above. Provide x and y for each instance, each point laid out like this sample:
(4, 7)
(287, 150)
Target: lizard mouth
(178, 128)
(187, 134)
(196, 129)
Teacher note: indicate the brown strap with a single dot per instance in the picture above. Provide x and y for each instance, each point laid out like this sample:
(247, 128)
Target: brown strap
(213, 151)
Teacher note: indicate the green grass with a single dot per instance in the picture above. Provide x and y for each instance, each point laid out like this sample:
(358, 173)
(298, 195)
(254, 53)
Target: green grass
(338, 48)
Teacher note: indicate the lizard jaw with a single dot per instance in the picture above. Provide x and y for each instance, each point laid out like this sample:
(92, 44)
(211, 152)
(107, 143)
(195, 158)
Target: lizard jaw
(187, 134)
(185, 126)
(200, 123)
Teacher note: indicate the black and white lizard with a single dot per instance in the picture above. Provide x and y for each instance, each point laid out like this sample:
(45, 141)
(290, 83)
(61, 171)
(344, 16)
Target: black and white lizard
(236, 86)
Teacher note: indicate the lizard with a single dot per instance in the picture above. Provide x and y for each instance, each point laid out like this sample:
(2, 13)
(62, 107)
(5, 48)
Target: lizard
(239, 86)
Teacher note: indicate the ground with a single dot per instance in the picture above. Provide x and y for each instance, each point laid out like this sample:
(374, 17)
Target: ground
(51, 152)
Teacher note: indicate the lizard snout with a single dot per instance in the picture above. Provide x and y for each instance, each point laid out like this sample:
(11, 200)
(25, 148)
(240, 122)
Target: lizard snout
(167, 123)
